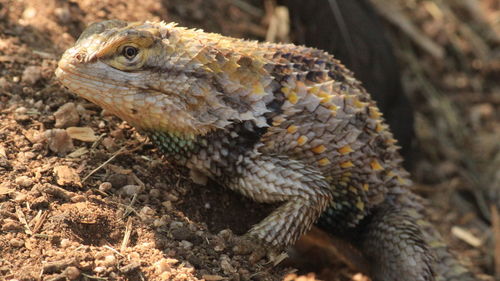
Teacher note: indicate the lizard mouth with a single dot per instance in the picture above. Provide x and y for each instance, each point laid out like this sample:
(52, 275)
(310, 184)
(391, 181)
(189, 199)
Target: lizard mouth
(94, 82)
(115, 91)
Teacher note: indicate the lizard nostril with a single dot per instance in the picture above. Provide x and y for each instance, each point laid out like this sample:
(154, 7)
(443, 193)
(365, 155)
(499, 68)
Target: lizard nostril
(80, 57)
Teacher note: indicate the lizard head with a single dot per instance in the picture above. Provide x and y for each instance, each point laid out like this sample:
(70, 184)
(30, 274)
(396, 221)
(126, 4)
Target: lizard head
(160, 77)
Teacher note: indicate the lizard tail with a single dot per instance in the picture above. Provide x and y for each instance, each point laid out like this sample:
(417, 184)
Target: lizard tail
(401, 244)
(447, 267)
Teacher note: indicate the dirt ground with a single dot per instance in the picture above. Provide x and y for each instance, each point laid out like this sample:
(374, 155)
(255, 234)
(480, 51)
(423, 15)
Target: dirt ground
(83, 196)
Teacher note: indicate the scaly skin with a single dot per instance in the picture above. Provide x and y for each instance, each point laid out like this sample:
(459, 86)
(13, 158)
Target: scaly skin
(277, 123)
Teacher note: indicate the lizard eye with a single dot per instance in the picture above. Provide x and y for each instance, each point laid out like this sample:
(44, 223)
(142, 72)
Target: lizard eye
(130, 52)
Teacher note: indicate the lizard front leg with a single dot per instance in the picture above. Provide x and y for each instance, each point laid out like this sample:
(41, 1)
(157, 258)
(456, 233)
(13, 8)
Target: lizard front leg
(270, 179)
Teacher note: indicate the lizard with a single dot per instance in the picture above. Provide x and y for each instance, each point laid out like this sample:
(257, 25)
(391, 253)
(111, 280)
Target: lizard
(278, 123)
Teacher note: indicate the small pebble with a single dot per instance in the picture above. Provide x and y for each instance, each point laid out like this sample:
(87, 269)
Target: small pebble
(32, 74)
(186, 244)
(66, 175)
(109, 260)
(143, 198)
(4, 84)
(131, 189)
(134, 256)
(225, 264)
(194, 260)
(40, 202)
(16, 242)
(78, 198)
(39, 105)
(159, 222)
(85, 134)
(146, 211)
(101, 125)
(176, 224)
(20, 197)
(155, 193)
(162, 266)
(29, 155)
(167, 204)
(20, 114)
(118, 180)
(172, 197)
(65, 243)
(219, 248)
(109, 144)
(21, 110)
(66, 116)
(117, 134)
(63, 14)
(182, 233)
(29, 13)
(59, 141)
(105, 186)
(225, 234)
(24, 181)
(11, 225)
(72, 273)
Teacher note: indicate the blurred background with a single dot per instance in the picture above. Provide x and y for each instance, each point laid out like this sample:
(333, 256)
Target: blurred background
(432, 65)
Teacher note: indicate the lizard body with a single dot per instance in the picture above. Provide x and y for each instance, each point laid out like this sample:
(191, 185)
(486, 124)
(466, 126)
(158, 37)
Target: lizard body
(275, 122)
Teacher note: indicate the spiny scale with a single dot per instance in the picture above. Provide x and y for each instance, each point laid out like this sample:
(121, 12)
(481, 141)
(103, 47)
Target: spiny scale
(275, 122)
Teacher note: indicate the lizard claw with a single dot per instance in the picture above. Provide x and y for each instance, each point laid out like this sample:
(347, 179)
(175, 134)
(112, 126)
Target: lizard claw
(257, 250)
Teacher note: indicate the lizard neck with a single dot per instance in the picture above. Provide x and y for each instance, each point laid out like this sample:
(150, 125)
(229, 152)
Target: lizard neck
(175, 147)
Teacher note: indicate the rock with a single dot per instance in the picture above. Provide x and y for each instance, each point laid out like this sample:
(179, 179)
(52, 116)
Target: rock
(118, 180)
(85, 134)
(131, 189)
(105, 186)
(40, 202)
(162, 266)
(12, 225)
(24, 181)
(65, 243)
(182, 233)
(109, 144)
(20, 114)
(72, 273)
(32, 74)
(66, 116)
(59, 141)
(16, 242)
(4, 84)
(67, 176)
(63, 14)
(109, 261)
